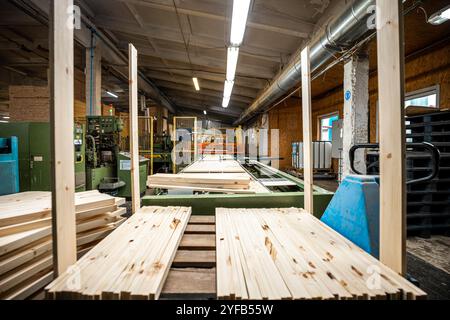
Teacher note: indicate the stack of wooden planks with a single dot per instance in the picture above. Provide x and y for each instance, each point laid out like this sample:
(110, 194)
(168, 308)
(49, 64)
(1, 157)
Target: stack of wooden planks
(215, 166)
(217, 182)
(26, 240)
(289, 254)
(131, 263)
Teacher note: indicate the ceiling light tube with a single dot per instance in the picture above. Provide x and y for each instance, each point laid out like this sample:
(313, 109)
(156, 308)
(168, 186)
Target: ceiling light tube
(228, 88)
(232, 60)
(112, 94)
(204, 112)
(225, 102)
(440, 17)
(196, 84)
(239, 21)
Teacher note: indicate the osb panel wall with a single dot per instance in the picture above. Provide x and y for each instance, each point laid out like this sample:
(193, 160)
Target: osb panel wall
(420, 72)
(286, 118)
(29, 104)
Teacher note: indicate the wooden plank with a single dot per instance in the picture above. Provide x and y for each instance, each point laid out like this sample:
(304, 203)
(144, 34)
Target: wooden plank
(307, 131)
(61, 119)
(202, 220)
(200, 229)
(392, 134)
(198, 242)
(134, 130)
(190, 283)
(200, 188)
(31, 286)
(132, 262)
(290, 254)
(194, 259)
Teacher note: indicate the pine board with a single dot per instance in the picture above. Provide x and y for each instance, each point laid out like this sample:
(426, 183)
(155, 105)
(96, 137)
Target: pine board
(132, 262)
(289, 254)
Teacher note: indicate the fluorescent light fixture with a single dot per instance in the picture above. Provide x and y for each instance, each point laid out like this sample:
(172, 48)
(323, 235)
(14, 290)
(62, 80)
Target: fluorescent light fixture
(3, 121)
(112, 94)
(228, 88)
(440, 17)
(239, 21)
(196, 85)
(225, 102)
(6, 117)
(204, 112)
(233, 55)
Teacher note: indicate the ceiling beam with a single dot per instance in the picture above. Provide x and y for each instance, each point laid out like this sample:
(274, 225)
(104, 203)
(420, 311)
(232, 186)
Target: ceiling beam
(195, 40)
(208, 61)
(302, 29)
(211, 100)
(241, 91)
(205, 92)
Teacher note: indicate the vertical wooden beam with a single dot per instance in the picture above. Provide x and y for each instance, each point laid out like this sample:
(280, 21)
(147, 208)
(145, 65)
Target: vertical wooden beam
(392, 134)
(134, 136)
(307, 131)
(61, 101)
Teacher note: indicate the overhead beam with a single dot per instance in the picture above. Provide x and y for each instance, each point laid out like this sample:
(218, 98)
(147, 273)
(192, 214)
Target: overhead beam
(174, 35)
(392, 134)
(301, 30)
(245, 92)
(185, 89)
(207, 60)
(61, 119)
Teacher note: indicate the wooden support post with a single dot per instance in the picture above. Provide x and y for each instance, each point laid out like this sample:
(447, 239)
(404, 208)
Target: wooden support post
(392, 134)
(61, 101)
(307, 131)
(94, 78)
(134, 136)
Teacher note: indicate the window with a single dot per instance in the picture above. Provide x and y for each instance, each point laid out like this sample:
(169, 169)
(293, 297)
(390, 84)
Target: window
(428, 97)
(326, 126)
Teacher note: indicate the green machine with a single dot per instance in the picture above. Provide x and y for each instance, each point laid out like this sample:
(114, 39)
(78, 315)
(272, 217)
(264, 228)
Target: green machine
(108, 169)
(123, 173)
(35, 154)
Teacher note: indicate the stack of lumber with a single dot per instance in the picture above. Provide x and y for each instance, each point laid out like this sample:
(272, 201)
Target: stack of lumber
(26, 236)
(289, 254)
(219, 182)
(131, 263)
(215, 166)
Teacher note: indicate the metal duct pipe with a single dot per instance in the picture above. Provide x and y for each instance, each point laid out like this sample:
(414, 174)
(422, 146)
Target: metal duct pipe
(341, 33)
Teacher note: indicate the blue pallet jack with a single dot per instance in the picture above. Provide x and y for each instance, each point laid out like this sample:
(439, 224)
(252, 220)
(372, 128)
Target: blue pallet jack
(354, 211)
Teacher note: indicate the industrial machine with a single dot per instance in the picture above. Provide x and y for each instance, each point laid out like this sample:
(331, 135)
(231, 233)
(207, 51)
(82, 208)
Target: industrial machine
(33, 139)
(9, 165)
(354, 211)
(275, 189)
(108, 169)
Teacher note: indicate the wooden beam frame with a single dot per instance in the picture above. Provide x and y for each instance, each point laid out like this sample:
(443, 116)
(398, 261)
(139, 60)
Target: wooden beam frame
(134, 137)
(61, 101)
(392, 134)
(307, 131)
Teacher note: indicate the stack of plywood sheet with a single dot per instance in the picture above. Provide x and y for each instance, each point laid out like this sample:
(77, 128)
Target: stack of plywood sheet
(289, 254)
(26, 242)
(219, 182)
(131, 263)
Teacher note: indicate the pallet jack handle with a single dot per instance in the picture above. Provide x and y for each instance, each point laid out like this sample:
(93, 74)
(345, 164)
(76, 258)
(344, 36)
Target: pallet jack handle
(434, 152)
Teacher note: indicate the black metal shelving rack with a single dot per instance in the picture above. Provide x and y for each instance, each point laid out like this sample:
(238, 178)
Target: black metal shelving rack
(428, 204)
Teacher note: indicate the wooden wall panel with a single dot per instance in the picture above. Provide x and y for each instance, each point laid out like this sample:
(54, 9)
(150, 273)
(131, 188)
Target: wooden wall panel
(421, 72)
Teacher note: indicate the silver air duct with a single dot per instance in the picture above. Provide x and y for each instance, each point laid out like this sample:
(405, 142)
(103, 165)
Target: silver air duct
(343, 32)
